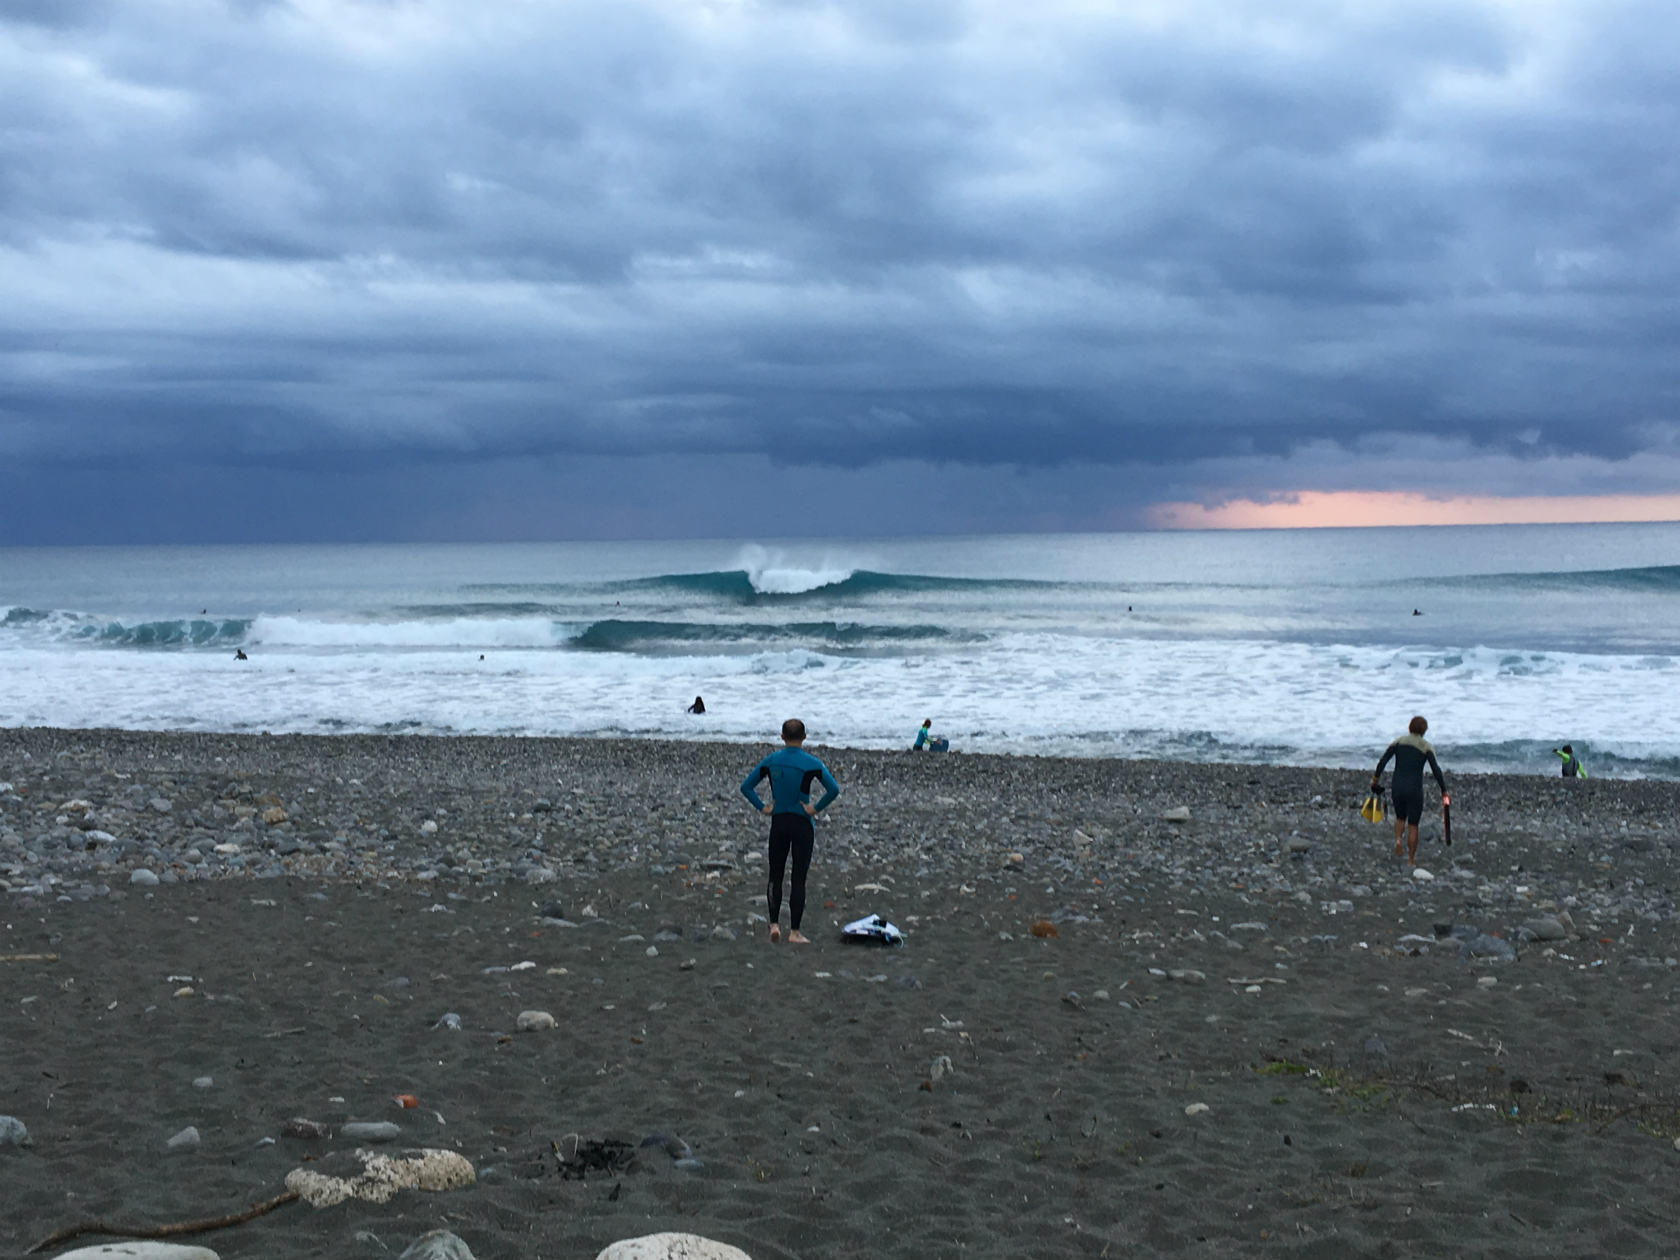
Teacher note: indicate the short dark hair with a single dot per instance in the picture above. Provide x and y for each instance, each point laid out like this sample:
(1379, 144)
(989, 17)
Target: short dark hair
(793, 730)
(1418, 726)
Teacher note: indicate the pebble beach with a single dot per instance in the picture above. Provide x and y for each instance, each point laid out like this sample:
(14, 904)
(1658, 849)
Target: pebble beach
(1142, 1008)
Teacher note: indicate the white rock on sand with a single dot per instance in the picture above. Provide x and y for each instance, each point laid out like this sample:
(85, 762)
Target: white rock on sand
(141, 1251)
(440, 1244)
(382, 1176)
(671, 1247)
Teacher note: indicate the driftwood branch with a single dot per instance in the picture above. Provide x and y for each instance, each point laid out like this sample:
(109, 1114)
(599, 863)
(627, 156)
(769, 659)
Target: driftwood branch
(163, 1231)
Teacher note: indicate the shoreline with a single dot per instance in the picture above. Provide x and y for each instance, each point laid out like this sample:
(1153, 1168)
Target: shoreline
(1541, 771)
(1108, 1031)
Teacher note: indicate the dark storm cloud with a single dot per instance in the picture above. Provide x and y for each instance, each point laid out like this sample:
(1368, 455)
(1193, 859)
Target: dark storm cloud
(1186, 248)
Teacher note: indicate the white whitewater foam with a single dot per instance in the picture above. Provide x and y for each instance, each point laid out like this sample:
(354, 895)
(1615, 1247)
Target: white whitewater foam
(455, 632)
(771, 575)
(1034, 693)
(1198, 648)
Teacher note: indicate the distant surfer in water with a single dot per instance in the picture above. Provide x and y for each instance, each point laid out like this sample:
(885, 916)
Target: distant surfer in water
(791, 771)
(699, 706)
(239, 654)
(1410, 753)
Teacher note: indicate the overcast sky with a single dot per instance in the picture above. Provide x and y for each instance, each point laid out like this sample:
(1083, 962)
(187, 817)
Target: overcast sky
(315, 269)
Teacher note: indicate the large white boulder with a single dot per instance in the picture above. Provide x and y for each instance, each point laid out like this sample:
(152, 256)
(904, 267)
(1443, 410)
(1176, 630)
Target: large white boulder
(382, 1176)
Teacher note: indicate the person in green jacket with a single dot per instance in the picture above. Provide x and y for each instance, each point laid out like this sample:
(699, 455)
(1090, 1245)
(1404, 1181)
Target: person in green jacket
(1572, 767)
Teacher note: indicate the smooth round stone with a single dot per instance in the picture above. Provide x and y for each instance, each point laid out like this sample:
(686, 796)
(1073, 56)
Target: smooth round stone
(535, 1021)
(187, 1139)
(140, 1251)
(671, 1247)
(143, 877)
(440, 1244)
(371, 1131)
(203, 1082)
(13, 1132)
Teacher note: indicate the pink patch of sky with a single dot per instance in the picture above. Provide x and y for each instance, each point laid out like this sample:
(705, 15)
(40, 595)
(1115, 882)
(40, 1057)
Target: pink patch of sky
(1319, 509)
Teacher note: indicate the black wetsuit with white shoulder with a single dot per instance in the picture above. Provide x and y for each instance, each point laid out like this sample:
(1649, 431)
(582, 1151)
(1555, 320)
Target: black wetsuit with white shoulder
(1410, 754)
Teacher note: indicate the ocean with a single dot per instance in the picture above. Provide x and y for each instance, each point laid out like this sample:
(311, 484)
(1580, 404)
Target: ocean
(1299, 646)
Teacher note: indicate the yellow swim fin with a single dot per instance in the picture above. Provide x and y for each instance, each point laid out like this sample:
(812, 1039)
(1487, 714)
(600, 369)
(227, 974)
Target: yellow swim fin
(1372, 810)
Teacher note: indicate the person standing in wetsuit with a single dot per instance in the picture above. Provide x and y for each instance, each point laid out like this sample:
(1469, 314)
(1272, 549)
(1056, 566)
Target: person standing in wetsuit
(1410, 753)
(791, 771)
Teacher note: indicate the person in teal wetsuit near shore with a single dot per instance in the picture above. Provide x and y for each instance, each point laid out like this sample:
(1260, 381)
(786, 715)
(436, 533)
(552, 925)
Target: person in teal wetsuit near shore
(791, 771)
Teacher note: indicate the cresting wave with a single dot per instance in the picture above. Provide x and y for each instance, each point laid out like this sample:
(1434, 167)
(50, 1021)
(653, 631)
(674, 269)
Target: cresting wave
(773, 586)
(1652, 579)
(768, 587)
(82, 628)
(482, 633)
(643, 636)
(740, 586)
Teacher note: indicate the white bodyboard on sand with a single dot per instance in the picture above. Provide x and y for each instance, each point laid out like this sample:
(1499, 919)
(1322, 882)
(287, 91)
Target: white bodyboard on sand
(872, 929)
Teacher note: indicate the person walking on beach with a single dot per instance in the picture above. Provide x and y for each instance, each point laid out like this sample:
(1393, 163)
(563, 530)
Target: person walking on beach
(791, 771)
(1410, 753)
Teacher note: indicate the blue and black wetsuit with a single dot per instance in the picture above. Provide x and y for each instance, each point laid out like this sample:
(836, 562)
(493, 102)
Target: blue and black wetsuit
(791, 772)
(1410, 754)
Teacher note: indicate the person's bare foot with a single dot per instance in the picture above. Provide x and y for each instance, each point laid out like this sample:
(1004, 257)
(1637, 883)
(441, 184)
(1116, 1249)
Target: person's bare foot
(796, 937)
(775, 932)
(1398, 850)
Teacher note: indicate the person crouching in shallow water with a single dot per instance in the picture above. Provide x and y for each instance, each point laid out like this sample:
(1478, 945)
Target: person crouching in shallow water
(925, 739)
(791, 771)
(699, 706)
(1410, 753)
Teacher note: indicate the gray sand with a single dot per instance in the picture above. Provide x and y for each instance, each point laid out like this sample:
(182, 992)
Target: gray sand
(1371, 1081)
